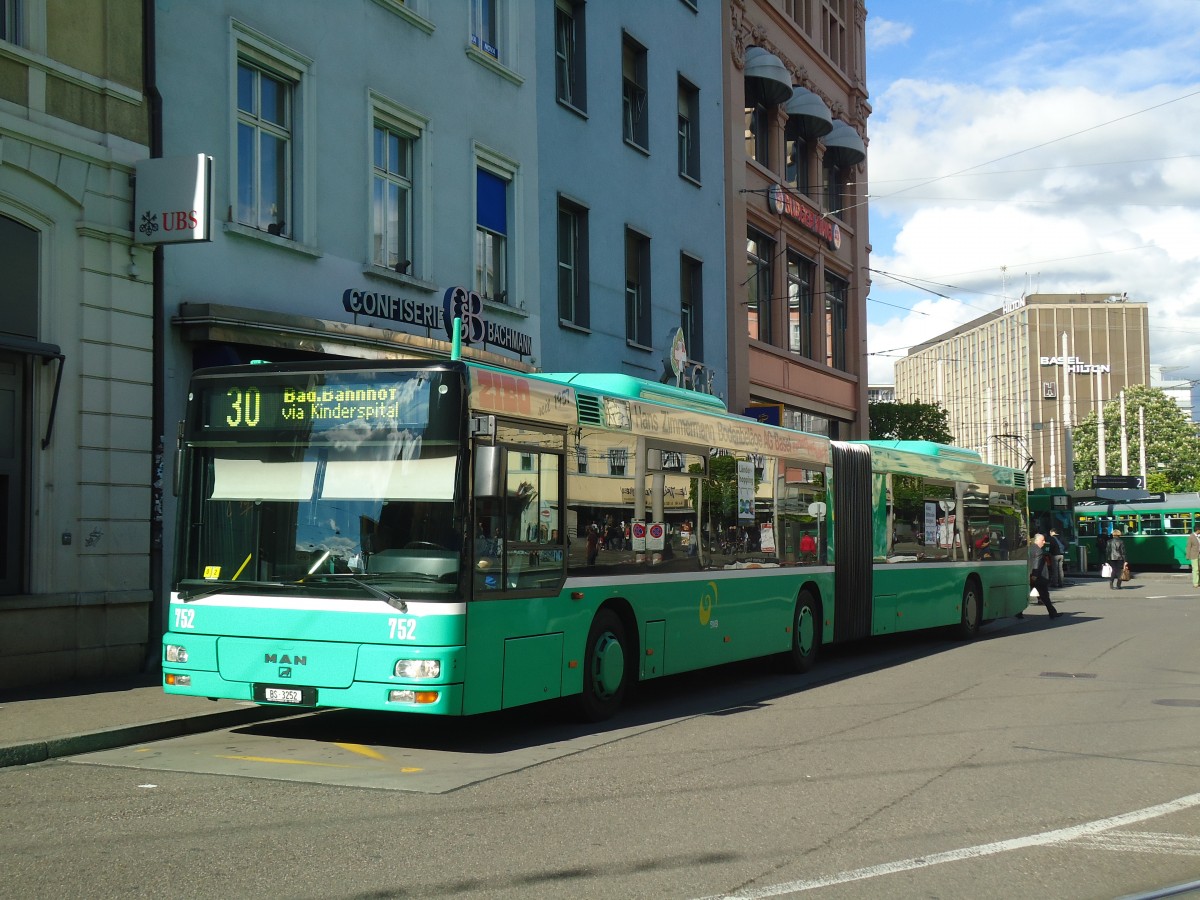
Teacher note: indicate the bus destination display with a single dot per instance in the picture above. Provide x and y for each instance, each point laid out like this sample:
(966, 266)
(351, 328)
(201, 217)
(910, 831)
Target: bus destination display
(270, 407)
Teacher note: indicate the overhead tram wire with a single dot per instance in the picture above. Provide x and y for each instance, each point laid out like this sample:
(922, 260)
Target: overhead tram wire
(1038, 146)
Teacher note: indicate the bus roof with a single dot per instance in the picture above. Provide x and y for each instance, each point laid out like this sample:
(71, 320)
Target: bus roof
(926, 448)
(631, 388)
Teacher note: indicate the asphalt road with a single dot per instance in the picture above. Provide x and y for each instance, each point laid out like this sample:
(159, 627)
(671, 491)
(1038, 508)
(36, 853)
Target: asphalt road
(1042, 760)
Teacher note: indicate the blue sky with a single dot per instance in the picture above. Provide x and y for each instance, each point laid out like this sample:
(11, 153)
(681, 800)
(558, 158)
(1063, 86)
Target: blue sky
(1033, 147)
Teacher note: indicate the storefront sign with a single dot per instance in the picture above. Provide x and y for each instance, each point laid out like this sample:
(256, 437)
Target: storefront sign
(457, 303)
(398, 309)
(783, 202)
(173, 200)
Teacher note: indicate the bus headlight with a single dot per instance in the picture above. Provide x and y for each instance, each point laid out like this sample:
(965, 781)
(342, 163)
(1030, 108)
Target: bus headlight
(418, 668)
(176, 653)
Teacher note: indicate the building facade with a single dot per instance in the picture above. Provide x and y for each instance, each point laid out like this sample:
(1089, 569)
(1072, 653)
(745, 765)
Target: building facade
(796, 216)
(1014, 382)
(76, 344)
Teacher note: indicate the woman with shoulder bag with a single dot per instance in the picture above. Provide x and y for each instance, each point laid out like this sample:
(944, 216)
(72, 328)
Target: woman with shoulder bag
(1116, 559)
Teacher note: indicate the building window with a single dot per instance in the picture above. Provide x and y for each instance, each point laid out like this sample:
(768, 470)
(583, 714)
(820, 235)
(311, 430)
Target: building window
(637, 288)
(581, 459)
(391, 200)
(491, 236)
(618, 459)
(795, 170)
(833, 32)
(839, 197)
(264, 149)
(760, 251)
(691, 304)
(758, 142)
(800, 12)
(800, 297)
(573, 264)
(689, 130)
(10, 21)
(636, 128)
(485, 26)
(837, 291)
(569, 50)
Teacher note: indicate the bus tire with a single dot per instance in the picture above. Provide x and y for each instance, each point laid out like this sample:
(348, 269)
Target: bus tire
(605, 667)
(806, 633)
(972, 611)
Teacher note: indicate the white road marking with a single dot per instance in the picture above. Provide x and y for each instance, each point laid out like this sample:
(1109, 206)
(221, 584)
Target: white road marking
(1059, 836)
(1145, 842)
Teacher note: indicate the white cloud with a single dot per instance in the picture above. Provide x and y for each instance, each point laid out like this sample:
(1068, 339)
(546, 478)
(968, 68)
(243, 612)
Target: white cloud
(886, 33)
(1074, 188)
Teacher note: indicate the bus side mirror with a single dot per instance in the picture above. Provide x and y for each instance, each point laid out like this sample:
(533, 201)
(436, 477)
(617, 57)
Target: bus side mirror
(489, 471)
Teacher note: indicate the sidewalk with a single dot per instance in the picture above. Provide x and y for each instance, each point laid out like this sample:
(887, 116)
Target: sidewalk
(65, 719)
(43, 723)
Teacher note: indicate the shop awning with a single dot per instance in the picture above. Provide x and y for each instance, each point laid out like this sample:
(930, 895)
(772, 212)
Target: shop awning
(843, 146)
(47, 352)
(808, 116)
(767, 79)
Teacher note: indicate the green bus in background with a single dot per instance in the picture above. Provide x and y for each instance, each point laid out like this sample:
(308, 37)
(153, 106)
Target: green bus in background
(451, 538)
(1154, 527)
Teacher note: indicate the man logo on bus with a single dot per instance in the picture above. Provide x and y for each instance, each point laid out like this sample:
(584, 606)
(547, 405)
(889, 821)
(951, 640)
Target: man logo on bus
(707, 601)
(459, 303)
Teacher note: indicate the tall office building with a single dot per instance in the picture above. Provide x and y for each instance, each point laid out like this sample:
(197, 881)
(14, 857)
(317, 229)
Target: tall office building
(1015, 381)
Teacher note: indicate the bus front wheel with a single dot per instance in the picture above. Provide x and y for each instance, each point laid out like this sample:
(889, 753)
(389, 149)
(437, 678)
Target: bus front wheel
(972, 611)
(605, 667)
(806, 633)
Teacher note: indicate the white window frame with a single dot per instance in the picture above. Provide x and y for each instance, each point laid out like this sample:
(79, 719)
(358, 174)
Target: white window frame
(504, 60)
(257, 49)
(387, 113)
(635, 94)
(508, 170)
(688, 136)
(570, 69)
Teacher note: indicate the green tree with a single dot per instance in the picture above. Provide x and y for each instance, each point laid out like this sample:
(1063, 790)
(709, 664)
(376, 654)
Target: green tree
(1172, 448)
(909, 422)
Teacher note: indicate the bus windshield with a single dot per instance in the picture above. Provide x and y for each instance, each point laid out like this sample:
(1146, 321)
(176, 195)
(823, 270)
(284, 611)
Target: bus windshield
(343, 482)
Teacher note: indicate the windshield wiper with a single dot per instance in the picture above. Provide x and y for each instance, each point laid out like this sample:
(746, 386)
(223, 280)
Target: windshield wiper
(225, 587)
(387, 596)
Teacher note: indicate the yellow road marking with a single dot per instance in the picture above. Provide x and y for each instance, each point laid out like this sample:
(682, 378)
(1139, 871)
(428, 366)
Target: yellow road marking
(286, 762)
(363, 750)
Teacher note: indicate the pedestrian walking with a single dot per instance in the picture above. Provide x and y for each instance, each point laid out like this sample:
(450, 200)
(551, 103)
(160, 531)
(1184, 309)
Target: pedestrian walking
(1058, 550)
(1116, 559)
(1193, 553)
(1039, 574)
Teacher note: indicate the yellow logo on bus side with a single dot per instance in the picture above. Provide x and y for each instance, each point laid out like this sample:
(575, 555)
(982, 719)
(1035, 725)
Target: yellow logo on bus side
(707, 601)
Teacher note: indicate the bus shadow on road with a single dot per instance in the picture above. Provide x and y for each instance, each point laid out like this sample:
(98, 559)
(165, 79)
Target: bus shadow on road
(735, 689)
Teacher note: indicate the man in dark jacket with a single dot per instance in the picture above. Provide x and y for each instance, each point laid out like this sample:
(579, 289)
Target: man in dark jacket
(1039, 574)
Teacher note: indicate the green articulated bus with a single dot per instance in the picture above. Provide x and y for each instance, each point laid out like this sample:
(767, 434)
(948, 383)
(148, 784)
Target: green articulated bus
(451, 538)
(1154, 528)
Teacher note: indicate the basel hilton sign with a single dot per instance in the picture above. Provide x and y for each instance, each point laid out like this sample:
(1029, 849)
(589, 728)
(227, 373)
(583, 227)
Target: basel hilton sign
(1076, 366)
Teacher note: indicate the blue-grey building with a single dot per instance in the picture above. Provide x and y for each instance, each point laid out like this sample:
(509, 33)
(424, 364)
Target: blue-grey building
(631, 187)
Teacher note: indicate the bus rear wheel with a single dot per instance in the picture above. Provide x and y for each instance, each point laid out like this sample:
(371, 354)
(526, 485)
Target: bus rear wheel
(806, 633)
(972, 611)
(605, 667)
